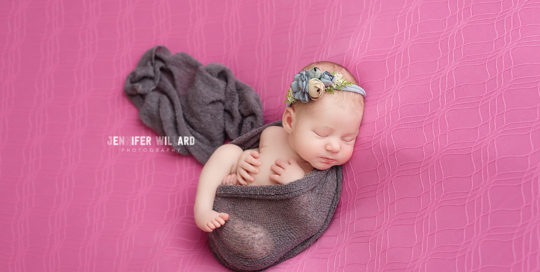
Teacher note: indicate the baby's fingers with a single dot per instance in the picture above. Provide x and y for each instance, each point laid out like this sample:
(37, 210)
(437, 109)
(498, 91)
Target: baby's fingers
(249, 168)
(281, 163)
(276, 178)
(241, 180)
(254, 153)
(245, 175)
(228, 179)
(253, 161)
(278, 170)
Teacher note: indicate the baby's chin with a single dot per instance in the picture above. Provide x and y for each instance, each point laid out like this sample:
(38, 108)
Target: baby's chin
(324, 166)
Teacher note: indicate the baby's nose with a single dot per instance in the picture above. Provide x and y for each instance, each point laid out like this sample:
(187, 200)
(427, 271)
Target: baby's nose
(332, 146)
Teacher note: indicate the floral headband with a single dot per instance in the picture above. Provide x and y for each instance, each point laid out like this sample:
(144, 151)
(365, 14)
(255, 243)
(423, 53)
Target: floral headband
(311, 85)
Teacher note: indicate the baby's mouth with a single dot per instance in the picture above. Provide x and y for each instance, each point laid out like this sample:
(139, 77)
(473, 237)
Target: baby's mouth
(328, 160)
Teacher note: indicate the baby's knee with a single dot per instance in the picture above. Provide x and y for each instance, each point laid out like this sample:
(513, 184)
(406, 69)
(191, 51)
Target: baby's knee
(228, 153)
(227, 149)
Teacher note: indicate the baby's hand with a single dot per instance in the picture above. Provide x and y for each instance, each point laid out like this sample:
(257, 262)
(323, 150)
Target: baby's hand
(247, 164)
(286, 172)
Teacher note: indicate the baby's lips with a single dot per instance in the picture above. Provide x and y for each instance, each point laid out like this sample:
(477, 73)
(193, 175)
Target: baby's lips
(328, 160)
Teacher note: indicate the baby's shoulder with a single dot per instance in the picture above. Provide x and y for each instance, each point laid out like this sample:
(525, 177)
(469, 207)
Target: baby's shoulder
(272, 135)
(273, 131)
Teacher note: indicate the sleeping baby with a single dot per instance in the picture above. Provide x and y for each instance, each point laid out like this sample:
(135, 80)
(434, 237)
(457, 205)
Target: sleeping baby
(319, 131)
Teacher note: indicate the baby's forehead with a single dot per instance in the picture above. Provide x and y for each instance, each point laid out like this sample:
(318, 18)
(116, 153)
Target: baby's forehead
(346, 119)
(331, 103)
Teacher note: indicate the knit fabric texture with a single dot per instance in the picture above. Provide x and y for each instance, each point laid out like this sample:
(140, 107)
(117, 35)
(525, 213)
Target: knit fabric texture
(270, 224)
(179, 97)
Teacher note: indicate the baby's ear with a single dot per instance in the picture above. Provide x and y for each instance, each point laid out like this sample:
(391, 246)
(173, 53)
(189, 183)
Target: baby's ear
(288, 119)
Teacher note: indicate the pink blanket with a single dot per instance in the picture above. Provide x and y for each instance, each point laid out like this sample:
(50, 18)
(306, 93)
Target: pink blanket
(445, 174)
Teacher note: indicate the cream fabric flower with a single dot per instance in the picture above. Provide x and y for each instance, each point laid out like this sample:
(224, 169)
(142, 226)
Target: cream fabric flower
(315, 88)
(338, 79)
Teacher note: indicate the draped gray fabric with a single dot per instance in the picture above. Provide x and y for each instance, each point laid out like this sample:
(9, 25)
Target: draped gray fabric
(270, 224)
(177, 96)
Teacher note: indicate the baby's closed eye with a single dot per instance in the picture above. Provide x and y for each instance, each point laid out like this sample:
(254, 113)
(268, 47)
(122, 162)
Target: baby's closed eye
(321, 134)
(349, 137)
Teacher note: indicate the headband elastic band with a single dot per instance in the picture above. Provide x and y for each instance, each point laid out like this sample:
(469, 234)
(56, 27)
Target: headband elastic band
(355, 89)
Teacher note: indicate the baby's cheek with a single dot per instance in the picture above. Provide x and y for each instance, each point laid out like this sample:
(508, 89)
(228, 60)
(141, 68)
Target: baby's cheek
(303, 149)
(347, 154)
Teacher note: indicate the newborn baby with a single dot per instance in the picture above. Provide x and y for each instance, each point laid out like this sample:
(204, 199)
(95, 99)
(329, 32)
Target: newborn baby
(319, 131)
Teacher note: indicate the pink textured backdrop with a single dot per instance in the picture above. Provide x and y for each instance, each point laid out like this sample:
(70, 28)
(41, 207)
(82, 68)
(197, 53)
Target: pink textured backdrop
(446, 170)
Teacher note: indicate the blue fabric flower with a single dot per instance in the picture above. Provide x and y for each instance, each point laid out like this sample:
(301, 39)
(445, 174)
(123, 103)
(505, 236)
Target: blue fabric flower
(299, 86)
(327, 78)
(315, 72)
(321, 82)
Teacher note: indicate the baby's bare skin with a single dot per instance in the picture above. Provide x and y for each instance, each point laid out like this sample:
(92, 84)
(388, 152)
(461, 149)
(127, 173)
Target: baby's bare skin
(321, 139)
(273, 151)
(270, 164)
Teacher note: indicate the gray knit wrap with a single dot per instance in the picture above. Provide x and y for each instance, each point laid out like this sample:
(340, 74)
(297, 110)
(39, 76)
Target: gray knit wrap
(177, 96)
(270, 224)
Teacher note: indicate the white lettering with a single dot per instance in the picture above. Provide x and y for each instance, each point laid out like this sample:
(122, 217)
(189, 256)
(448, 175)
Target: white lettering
(145, 140)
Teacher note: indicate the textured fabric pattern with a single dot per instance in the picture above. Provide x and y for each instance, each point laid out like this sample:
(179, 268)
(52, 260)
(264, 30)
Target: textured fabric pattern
(444, 177)
(178, 97)
(270, 224)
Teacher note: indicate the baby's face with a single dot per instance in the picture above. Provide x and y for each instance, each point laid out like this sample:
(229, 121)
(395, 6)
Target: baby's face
(326, 136)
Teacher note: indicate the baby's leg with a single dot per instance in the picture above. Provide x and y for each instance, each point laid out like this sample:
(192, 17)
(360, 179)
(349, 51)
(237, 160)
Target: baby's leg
(221, 164)
(247, 239)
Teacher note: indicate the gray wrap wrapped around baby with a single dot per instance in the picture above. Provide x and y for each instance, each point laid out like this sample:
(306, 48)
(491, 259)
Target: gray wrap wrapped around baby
(177, 96)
